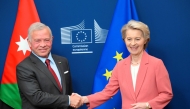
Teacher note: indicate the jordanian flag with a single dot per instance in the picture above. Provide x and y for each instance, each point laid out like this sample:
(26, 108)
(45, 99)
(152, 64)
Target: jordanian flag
(18, 50)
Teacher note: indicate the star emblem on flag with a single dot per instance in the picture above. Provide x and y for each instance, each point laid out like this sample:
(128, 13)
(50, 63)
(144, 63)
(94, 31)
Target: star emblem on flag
(23, 45)
(107, 74)
(118, 56)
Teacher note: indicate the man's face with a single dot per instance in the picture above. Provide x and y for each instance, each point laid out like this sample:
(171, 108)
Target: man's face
(41, 42)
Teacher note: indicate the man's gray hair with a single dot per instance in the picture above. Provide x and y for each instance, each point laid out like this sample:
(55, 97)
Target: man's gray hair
(37, 26)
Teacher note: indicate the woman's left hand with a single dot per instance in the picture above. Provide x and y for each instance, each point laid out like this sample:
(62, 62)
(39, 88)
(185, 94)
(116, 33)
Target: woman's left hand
(139, 106)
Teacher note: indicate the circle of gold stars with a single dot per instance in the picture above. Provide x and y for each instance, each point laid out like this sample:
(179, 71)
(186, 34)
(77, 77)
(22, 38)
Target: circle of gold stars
(81, 36)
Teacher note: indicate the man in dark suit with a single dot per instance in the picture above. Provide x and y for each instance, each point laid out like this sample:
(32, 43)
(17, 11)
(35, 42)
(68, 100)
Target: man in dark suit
(44, 79)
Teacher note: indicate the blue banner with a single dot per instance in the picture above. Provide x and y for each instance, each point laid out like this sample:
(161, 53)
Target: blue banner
(114, 51)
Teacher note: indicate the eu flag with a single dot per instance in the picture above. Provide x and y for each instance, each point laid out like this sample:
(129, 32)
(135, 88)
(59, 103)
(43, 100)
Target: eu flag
(114, 50)
(81, 36)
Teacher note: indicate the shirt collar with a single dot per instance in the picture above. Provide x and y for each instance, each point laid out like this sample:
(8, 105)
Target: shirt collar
(44, 59)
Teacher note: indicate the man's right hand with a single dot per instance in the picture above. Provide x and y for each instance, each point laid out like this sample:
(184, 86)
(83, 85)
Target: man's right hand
(75, 100)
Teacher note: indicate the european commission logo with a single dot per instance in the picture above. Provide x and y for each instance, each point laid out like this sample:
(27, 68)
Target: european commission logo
(80, 37)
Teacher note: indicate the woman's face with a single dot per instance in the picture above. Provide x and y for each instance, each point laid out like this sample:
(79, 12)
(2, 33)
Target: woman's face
(134, 41)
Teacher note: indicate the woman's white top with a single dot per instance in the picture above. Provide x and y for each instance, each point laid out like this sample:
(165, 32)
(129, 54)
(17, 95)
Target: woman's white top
(134, 72)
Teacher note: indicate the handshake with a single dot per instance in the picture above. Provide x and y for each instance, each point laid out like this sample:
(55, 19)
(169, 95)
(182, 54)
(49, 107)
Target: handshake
(77, 100)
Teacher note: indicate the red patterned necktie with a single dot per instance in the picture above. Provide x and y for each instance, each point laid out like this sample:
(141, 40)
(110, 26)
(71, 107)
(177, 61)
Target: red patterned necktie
(53, 73)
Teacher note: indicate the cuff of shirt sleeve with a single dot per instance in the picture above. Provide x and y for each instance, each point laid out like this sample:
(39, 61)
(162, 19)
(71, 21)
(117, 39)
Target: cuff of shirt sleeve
(69, 100)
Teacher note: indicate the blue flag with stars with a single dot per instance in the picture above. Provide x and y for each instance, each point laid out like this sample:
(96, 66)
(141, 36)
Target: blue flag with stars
(114, 51)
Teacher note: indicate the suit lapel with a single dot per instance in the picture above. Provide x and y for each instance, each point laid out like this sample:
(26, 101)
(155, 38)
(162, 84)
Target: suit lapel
(141, 73)
(60, 68)
(129, 82)
(42, 67)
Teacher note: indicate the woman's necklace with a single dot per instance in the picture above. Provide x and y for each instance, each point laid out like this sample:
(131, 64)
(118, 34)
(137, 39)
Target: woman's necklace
(134, 63)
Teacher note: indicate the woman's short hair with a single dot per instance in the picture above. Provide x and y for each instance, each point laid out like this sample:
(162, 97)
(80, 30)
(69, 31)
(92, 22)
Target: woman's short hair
(37, 26)
(137, 25)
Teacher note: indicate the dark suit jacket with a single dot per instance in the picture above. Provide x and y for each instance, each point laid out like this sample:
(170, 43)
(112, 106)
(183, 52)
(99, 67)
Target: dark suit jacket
(38, 88)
